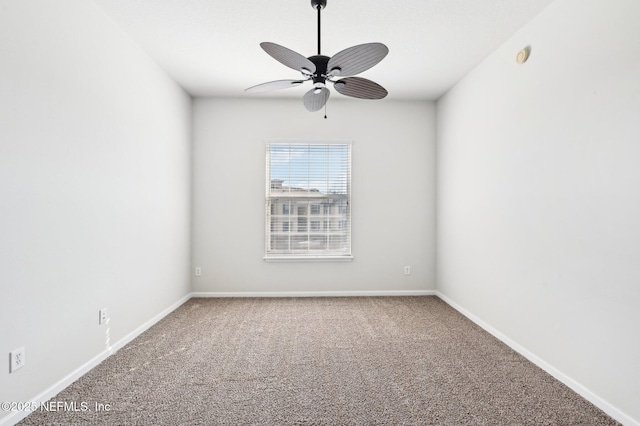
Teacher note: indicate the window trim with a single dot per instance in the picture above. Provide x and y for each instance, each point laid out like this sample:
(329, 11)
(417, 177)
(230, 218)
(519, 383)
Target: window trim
(311, 257)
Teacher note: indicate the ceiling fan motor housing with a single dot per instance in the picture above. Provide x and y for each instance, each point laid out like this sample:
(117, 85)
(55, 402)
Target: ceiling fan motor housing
(320, 61)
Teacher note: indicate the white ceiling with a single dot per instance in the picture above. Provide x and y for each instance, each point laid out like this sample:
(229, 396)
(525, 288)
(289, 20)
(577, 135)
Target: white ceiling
(211, 47)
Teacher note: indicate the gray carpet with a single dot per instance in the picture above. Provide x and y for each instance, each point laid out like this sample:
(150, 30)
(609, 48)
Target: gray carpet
(320, 361)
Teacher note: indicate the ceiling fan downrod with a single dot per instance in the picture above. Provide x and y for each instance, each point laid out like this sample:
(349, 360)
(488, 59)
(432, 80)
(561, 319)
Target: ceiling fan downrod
(318, 5)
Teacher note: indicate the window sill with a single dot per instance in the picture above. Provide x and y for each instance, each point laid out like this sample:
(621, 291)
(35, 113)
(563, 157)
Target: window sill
(348, 258)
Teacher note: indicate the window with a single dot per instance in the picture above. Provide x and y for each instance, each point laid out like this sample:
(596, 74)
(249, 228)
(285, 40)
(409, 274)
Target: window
(302, 224)
(302, 177)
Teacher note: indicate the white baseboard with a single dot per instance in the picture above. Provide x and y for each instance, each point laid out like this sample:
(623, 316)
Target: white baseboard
(315, 293)
(15, 416)
(574, 385)
(144, 327)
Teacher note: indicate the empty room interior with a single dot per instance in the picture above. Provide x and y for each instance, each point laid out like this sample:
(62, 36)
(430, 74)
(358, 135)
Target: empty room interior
(492, 169)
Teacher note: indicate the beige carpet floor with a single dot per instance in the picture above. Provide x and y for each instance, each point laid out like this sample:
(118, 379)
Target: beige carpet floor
(319, 361)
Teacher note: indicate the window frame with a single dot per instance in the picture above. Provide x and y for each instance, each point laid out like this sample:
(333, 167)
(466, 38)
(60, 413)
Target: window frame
(343, 207)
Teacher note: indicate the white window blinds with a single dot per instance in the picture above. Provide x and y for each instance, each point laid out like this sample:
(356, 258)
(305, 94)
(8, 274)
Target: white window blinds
(308, 200)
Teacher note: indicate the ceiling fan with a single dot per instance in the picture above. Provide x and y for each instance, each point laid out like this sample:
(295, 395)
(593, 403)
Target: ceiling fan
(321, 69)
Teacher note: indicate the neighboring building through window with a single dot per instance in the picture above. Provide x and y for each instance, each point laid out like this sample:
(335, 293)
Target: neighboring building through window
(308, 200)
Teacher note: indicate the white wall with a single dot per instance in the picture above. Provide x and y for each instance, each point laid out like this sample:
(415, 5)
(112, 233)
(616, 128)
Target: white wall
(539, 194)
(393, 181)
(94, 189)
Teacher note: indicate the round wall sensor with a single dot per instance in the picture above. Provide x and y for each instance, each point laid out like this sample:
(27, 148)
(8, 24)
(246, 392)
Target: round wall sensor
(522, 56)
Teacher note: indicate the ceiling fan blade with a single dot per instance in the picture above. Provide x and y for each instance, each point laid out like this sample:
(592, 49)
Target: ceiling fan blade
(315, 98)
(274, 85)
(361, 88)
(288, 57)
(356, 59)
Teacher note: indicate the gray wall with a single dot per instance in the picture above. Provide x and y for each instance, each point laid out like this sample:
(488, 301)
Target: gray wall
(393, 222)
(94, 189)
(539, 194)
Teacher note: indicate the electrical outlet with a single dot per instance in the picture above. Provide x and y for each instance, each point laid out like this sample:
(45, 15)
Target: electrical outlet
(17, 359)
(407, 270)
(103, 317)
(198, 271)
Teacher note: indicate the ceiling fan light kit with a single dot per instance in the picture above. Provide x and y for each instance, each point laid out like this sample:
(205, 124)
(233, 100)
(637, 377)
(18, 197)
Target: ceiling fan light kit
(321, 69)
